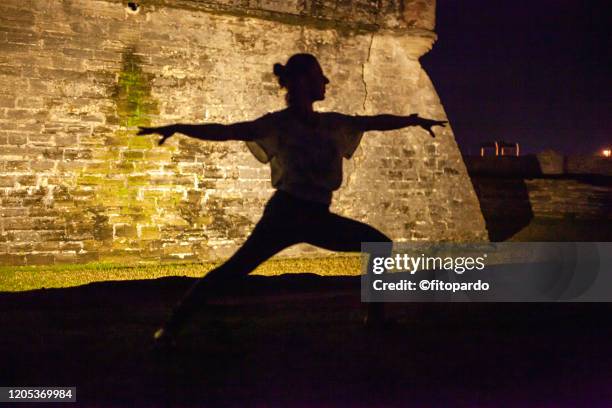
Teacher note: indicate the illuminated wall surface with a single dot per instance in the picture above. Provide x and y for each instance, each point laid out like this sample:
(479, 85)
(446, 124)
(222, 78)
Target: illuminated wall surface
(77, 77)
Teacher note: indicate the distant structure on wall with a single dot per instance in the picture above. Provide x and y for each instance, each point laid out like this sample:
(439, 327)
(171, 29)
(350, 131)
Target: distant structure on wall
(499, 148)
(78, 77)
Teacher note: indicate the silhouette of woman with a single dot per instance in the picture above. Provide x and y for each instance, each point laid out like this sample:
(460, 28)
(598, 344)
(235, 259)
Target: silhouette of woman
(305, 149)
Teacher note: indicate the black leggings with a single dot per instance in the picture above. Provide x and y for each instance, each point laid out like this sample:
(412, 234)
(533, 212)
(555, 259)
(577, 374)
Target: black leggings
(286, 221)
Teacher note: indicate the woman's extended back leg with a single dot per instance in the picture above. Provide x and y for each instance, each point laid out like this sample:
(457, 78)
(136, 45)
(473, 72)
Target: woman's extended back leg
(338, 233)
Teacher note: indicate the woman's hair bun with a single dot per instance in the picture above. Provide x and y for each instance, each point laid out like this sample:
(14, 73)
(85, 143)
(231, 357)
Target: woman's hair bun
(278, 69)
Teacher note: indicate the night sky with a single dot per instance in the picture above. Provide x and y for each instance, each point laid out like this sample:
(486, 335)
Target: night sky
(536, 72)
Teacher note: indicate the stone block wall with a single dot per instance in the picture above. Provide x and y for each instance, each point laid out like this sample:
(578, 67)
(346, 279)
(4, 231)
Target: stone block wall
(588, 198)
(583, 164)
(584, 198)
(78, 76)
(512, 191)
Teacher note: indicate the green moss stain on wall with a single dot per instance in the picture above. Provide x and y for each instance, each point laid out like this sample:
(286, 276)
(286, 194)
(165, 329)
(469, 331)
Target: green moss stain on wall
(144, 204)
(132, 93)
(123, 216)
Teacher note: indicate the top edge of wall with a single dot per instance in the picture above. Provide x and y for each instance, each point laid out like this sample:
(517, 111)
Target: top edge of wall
(413, 17)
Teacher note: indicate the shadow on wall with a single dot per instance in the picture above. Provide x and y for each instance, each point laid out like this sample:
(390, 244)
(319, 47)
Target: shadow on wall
(502, 193)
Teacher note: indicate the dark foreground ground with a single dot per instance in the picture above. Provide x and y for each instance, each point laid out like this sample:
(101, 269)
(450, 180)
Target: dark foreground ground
(302, 344)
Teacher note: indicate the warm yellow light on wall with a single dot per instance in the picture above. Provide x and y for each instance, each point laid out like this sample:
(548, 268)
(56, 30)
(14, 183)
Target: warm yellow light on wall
(606, 152)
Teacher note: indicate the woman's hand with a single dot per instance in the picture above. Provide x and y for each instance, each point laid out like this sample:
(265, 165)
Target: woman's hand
(164, 131)
(427, 124)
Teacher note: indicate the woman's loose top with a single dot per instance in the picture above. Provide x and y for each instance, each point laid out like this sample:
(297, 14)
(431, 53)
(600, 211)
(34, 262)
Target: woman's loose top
(305, 159)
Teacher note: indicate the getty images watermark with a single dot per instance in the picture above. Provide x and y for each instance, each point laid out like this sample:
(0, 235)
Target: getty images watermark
(506, 272)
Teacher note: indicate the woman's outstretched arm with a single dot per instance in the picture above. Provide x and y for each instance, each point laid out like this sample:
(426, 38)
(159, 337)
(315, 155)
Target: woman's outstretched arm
(391, 122)
(208, 131)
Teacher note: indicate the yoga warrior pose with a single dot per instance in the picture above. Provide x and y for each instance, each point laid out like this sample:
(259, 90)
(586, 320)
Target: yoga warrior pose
(305, 149)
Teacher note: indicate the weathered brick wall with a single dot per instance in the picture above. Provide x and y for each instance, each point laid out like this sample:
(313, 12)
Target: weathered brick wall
(77, 77)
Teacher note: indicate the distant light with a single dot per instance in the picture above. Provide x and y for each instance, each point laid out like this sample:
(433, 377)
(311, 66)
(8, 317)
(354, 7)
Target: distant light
(606, 152)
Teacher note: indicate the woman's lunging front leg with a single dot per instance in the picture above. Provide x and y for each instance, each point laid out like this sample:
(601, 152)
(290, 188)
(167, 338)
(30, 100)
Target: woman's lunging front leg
(267, 239)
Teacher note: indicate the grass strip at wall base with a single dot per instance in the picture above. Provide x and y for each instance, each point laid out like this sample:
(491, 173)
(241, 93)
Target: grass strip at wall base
(22, 278)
